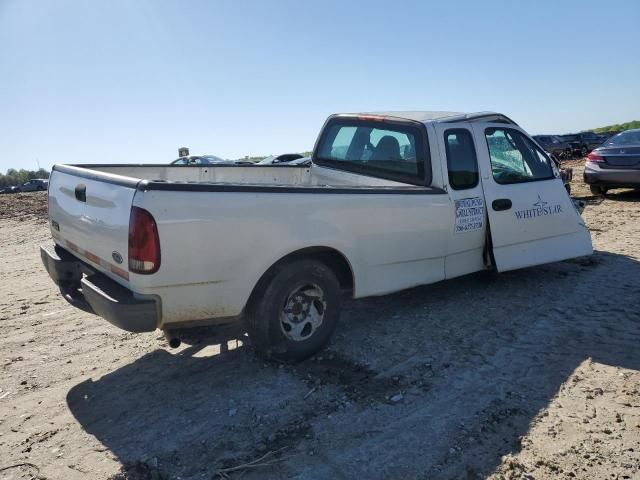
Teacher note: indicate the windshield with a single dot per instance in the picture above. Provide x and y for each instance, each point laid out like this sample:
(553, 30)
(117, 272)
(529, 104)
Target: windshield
(631, 137)
(514, 158)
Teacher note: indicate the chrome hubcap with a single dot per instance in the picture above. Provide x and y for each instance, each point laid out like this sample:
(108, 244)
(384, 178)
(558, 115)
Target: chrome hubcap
(303, 312)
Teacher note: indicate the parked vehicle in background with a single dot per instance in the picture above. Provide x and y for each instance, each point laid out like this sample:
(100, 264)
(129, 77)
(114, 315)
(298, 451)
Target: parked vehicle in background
(33, 185)
(205, 160)
(392, 200)
(615, 164)
(555, 145)
(607, 135)
(583, 142)
(199, 160)
(566, 174)
(279, 159)
(301, 161)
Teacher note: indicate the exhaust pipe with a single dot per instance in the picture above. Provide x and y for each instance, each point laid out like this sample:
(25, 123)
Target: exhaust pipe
(174, 342)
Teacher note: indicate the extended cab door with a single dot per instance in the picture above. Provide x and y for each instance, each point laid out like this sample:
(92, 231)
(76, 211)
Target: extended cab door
(466, 245)
(532, 220)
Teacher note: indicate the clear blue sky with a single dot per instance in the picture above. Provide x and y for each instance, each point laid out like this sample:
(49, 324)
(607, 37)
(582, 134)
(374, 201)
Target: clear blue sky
(131, 81)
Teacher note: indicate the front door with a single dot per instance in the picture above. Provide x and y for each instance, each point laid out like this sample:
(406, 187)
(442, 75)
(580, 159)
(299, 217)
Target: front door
(532, 220)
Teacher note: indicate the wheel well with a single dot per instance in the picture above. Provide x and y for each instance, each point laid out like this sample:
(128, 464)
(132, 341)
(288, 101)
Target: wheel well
(332, 258)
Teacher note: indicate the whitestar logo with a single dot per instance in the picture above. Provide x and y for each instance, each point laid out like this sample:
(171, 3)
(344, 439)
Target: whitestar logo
(540, 203)
(540, 209)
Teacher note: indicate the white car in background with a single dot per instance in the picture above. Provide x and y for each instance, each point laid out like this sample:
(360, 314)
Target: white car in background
(286, 158)
(300, 161)
(199, 160)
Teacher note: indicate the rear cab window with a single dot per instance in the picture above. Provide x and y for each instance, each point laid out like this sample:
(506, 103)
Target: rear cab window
(381, 147)
(515, 158)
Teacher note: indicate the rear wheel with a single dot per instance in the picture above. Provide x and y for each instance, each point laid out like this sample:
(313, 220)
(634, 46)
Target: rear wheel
(294, 311)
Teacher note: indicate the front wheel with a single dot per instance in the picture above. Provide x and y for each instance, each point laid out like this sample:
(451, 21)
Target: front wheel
(294, 311)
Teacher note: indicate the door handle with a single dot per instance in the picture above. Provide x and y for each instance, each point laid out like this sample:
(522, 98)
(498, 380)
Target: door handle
(81, 192)
(501, 204)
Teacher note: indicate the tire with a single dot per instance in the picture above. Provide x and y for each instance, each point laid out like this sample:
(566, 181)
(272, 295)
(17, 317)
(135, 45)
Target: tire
(294, 311)
(584, 151)
(598, 190)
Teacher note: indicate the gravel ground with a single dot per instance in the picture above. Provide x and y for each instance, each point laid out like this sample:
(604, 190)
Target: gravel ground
(23, 206)
(531, 374)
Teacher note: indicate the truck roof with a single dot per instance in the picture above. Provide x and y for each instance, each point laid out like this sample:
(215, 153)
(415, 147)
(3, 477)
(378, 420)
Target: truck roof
(444, 117)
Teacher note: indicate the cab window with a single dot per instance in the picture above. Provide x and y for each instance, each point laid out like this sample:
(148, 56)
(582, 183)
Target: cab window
(462, 163)
(515, 158)
(385, 149)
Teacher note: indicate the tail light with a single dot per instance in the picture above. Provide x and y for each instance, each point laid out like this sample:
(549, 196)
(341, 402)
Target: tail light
(144, 243)
(595, 157)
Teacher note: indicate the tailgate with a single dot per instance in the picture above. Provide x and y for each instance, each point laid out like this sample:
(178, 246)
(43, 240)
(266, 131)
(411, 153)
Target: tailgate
(89, 216)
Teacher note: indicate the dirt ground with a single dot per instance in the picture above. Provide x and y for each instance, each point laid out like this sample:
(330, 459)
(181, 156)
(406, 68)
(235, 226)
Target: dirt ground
(532, 374)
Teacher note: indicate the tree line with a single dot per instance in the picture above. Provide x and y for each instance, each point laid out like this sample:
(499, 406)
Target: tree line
(618, 127)
(18, 177)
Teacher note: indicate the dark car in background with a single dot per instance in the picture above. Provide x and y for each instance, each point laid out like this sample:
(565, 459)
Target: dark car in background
(607, 135)
(554, 145)
(33, 185)
(615, 164)
(583, 142)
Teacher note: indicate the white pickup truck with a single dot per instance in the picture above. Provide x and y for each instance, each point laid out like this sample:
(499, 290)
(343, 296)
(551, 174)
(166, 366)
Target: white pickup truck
(391, 200)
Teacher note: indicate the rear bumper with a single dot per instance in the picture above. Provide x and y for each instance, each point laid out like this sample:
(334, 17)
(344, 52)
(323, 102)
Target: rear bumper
(594, 175)
(94, 292)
